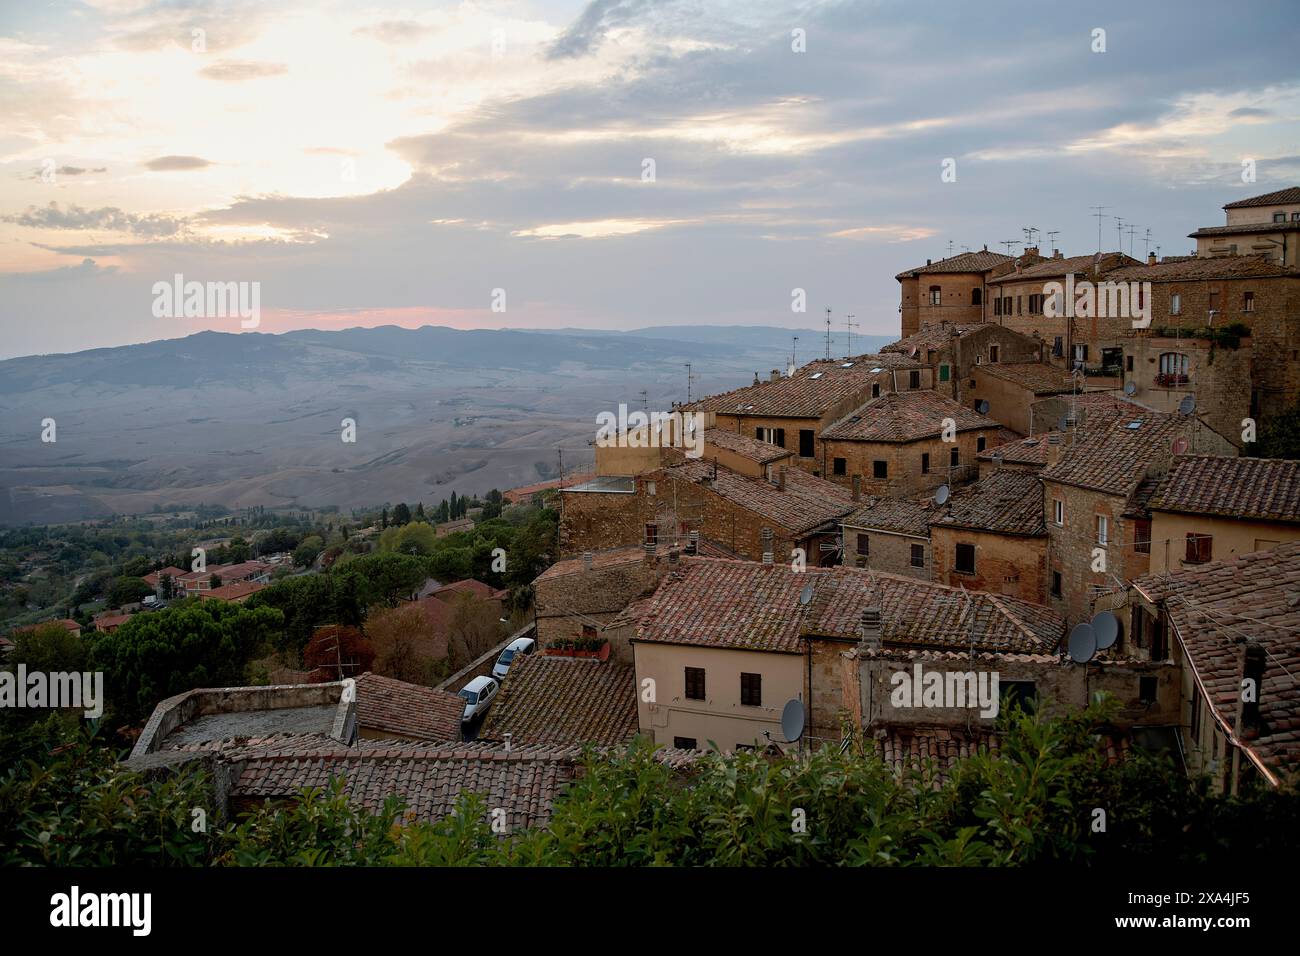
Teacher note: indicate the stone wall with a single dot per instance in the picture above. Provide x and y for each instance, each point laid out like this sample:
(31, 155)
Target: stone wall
(1014, 565)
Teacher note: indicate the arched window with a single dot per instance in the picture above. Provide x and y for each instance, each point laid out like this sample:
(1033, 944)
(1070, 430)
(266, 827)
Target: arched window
(977, 297)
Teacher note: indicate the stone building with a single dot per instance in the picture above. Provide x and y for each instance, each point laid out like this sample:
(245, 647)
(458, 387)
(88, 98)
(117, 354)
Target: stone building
(892, 535)
(895, 445)
(1012, 389)
(952, 290)
(953, 350)
(991, 536)
(1267, 224)
(1211, 508)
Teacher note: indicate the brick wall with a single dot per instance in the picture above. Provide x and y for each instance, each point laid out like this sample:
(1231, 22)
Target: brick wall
(596, 521)
(1070, 548)
(1013, 565)
(904, 462)
(1219, 378)
(886, 551)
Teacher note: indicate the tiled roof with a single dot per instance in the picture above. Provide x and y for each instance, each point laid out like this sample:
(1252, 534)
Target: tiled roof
(1038, 377)
(806, 503)
(1262, 489)
(932, 337)
(751, 448)
(1288, 195)
(1055, 268)
(754, 606)
(600, 560)
(901, 515)
(232, 591)
(153, 577)
(1114, 458)
(930, 750)
(407, 710)
(1244, 229)
(564, 700)
(527, 491)
(1214, 607)
(1006, 502)
(981, 261)
(904, 417)
(472, 586)
(808, 393)
(1026, 451)
(1203, 267)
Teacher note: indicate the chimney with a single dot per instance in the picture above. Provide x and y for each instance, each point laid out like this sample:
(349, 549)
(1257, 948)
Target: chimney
(1017, 267)
(755, 378)
(857, 487)
(768, 555)
(693, 543)
(1056, 254)
(586, 560)
(649, 553)
(780, 478)
(986, 247)
(672, 557)
(927, 262)
(1151, 258)
(870, 628)
(1031, 251)
(1053, 447)
(508, 735)
(776, 375)
(1253, 658)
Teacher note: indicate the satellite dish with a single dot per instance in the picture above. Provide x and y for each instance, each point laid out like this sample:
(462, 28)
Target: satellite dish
(792, 720)
(1105, 627)
(1083, 643)
(983, 406)
(805, 596)
(1187, 405)
(1130, 388)
(1180, 446)
(941, 495)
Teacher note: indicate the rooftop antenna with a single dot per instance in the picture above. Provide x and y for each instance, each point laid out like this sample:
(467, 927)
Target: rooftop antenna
(1146, 252)
(849, 326)
(1130, 230)
(828, 332)
(949, 247)
(689, 377)
(645, 401)
(794, 348)
(1100, 216)
(1119, 232)
(1009, 244)
(1051, 238)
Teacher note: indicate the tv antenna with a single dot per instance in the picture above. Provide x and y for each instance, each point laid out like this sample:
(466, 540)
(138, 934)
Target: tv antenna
(1030, 232)
(1119, 232)
(689, 379)
(793, 722)
(1099, 216)
(1051, 238)
(1009, 244)
(1130, 230)
(828, 332)
(849, 326)
(1146, 251)
(950, 248)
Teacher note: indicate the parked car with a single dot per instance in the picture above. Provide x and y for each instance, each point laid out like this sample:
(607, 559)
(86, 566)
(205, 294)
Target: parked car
(478, 695)
(522, 645)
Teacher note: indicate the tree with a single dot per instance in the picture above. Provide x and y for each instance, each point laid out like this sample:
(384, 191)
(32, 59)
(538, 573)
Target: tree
(383, 518)
(238, 551)
(167, 586)
(401, 637)
(336, 651)
(308, 551)
(419, 511)
(1280, 438)
(127, 591)
(214, 580)
(444, 512)
(472, 628)
(401, 514)
(49, 647)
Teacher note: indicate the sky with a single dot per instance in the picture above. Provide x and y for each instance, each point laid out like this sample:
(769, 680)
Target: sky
(611, 164)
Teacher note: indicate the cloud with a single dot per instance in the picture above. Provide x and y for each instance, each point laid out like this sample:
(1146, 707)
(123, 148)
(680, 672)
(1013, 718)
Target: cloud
(1251, 112)
(395, 32)
(74, 217)
(589, 30)
(171, 163)
(234, 71)
(68, 171)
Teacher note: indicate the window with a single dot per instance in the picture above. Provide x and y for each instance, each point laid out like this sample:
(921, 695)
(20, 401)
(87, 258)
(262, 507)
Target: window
(1080, 354)
(1103, 529)
(695, 683)
(864, 545)
(780, 438)
(1199, 547)
(751, 690)
(1142, 536)
(1214, 299)
(875, 389)
(1173, 369)
(993, 353)
(1176, 304)
(925, 462)
(1147, 690)
(1279, 217)
(1036, 304)
(918, 555)
(965, 559)
(806, 443)
(1019, 302)
(840, 466)
(650, 488)
(944, 372)
(997, 306)
(880, 469)
(935, 295)
(685, 743)
(1023, 693)
(1248, 302)
(1295, 217)
(651, 533)
(977, 297)
(980, 443)
(1056, 584)
(954, 457)
(1058, 346)
(914, 378)
(1128, 363)
(1058, 511)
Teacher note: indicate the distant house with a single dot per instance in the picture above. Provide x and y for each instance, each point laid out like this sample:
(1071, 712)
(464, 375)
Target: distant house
(68, 623)
(952, 350)
(195, 581)
(394, 709)
(236, 591)
(110, 621)
(891, 534)
(154, 580)
(453, 527)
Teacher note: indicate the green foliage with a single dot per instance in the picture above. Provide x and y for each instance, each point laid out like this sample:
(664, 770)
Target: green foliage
(49, 647)
(1280, 437)
(127, 591)
(308, 551)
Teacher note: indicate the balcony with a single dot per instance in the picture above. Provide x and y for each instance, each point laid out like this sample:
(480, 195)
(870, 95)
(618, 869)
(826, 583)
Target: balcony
(1172, 380)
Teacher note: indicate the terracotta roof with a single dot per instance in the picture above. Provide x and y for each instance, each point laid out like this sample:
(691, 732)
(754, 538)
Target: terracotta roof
(747, 605)
(1038, 377)
(472, 586)
(610, 558)
(407, 710)
(1055, 268)
(1281, 196)
(1260, 489)
(1203, 267)
(930, 750)
(1113, 457)
(933, 337)
(153, 577)
(1214, 607)
(809, 392)
(1006, 502)
(564, 700)
(806, 502)
(1026, 451)
(527, 491)
(981, 261)
(68, 625)
(233, 591)
(751, 448)
(901, 515)
(1244, 229)
(905, 417)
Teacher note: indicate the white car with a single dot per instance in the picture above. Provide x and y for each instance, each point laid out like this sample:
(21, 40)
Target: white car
(478, 695)
(523, 645)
